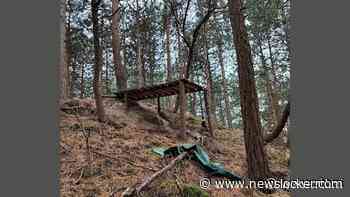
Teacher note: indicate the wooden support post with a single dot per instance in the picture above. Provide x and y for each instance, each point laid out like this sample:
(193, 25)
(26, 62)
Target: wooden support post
(158, 104)
(208, 112)
(182, 102)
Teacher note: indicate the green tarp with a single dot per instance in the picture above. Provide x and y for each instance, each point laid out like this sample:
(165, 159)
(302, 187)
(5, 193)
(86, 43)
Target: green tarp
(200, 156)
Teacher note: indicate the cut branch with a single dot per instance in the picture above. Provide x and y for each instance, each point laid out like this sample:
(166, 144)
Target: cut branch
(135, 191)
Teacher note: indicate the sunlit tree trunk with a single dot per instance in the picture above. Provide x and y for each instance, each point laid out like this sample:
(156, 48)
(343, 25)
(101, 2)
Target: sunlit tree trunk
(63, 66)
(167, 47)
(98, 62)
(276, 93)
(224, 86)
(140, 66)
(82, 87)
(119, 69)
(272, 116)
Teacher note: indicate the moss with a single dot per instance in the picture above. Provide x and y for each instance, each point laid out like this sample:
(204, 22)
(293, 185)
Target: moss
(166, 188)
(194, 191)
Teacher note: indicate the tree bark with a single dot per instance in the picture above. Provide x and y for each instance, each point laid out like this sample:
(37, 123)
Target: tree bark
(273, 117)
(168, 68)
(98, 61)
(224, 86)
(71, 74)
(221, 109)
(275, 84)
(107, 80)
(182, 99)
(140, 66)
(253, 137)
(208, 113)
(63, 67)
(120, 71)
(167, 47)
(279, 128)
(82, 87)
(209, 78)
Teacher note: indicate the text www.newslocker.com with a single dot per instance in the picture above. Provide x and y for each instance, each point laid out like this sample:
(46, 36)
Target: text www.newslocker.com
(272, 183)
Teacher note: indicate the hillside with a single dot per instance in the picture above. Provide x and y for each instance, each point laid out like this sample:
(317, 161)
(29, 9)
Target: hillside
(121, 153)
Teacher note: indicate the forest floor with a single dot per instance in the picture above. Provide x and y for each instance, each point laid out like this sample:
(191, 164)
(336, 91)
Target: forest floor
(121, 153)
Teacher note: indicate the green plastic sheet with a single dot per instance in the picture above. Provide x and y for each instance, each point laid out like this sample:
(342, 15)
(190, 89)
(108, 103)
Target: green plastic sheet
(200, 156)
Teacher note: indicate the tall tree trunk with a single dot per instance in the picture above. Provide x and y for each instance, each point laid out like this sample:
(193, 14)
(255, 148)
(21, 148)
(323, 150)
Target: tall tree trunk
(82, 87)
(168, 67)
(272, 119)
(182, 99)
(167, 47)
(253, 137)
(140, 66)
(209, 78)
(207, 103)
(140, 70)
(200, 100)
(224, 86)
(190, 49)
(69, 52)
(286, 28)
(98, 62)
(107, 80)
(63, 67)
(181, 67)
(151, 49)
(209, 92)
(221, 109)
(120, 71)
(275, 85)
(180, 56)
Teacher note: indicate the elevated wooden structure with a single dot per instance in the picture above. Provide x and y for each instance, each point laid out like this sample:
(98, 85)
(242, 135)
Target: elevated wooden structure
(178, 87)
(160, 90)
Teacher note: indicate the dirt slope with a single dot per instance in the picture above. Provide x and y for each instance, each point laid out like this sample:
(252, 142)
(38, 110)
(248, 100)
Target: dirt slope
(121, 156)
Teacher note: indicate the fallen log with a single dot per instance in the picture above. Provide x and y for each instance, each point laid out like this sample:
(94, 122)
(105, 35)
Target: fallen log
(132, 191)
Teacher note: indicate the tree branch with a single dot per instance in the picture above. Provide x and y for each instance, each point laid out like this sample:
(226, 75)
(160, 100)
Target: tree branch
(280, 125)
(186, 11)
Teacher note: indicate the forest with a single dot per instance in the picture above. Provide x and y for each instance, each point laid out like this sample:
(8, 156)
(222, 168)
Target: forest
(237, 50)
